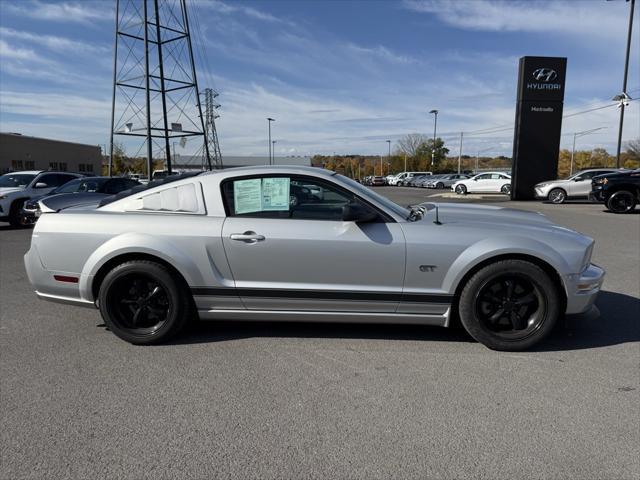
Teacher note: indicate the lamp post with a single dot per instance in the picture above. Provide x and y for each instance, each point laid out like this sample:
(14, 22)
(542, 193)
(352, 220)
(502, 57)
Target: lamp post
(435, 126)
(273, 151)
(573, 149)
(623, 97)
(269, 120)
(389, 156)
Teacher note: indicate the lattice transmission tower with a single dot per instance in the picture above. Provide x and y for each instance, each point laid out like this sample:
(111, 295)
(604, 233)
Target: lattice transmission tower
(155, 89)
(210, 107)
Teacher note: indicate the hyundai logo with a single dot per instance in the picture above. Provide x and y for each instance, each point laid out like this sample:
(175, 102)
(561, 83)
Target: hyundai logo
(545, 74)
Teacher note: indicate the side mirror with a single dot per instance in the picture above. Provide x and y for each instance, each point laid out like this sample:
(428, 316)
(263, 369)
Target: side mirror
(578, 179)
(41, 185)
(356, 212)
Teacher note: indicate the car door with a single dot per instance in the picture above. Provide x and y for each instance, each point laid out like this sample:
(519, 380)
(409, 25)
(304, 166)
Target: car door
(582, 186)
(289, 248)
(480, 183)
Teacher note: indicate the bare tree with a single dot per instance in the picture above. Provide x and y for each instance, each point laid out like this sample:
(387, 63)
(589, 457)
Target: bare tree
(633, 149)
(410, 144)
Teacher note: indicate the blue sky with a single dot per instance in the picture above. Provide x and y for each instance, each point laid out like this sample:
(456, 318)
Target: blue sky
(338, 76)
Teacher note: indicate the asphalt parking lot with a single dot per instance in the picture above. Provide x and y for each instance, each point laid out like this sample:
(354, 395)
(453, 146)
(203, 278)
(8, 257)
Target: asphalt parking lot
(333, 401)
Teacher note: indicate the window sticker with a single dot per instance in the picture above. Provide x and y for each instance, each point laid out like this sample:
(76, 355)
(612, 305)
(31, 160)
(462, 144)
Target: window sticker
(247, 195)
(275, 194)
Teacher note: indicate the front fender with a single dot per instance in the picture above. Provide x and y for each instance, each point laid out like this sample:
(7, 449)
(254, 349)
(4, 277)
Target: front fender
(494, 247)
(128, 243)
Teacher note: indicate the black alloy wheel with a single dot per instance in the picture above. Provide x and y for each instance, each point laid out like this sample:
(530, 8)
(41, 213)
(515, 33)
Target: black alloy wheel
(622, 201)
(510, 305)
(143, 303)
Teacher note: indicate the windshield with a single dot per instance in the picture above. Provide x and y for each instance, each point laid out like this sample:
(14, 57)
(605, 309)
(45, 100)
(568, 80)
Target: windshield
(16, 180)
(367, 192)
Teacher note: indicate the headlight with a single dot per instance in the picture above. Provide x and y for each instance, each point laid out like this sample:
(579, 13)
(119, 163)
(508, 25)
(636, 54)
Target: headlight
(586, 261)
(2, 197)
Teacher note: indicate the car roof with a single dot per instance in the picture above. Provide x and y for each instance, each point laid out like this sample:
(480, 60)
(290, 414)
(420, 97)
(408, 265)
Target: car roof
(25, 172)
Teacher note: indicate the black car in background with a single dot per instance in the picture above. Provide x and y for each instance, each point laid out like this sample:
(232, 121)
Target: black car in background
(620, 192)
(81, 191)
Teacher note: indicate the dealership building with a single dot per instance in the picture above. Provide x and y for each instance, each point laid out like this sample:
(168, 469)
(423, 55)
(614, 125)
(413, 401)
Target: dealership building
(22, 152)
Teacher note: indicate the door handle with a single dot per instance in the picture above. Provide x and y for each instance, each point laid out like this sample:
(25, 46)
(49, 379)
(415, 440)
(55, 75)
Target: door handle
(247, 237)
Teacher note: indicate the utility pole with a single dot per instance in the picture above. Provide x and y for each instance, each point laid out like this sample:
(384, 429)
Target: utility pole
(460, 152)
(211, 108)
(624, 96)
(149, 36)
(389, 157)
(273, 150)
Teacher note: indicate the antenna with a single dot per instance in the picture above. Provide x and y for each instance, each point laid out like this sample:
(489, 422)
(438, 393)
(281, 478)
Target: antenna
(155, 89)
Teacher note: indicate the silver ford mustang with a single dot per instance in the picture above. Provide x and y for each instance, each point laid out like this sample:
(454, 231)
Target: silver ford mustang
(306, 244)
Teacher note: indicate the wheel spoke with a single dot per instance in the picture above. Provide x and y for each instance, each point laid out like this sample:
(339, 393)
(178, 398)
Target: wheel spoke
(137, 316)
(154, 292)
(517, 321)
(526, 300)
(496, 315)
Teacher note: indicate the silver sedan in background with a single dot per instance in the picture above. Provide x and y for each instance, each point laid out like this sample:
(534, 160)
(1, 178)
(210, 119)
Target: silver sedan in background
(445, 181)
(576, 186)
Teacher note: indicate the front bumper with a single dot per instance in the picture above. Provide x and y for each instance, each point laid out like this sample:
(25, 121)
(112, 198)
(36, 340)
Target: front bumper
(542, 193)
(583, 288)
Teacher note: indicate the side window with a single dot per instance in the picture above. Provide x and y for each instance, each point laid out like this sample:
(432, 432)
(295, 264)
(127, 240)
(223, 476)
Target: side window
(304, 198)
(485, 176)
(114, 186)
(49, 179)
(65, 178)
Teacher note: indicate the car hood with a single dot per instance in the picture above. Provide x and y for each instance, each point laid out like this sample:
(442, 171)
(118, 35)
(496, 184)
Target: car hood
(494, 218)
(67, 200)
(6, 190)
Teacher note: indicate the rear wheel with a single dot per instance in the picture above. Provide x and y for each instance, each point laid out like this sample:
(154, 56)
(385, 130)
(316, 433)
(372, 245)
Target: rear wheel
(461, 189)
(16, 219)
(143, 303)
(622, 201)
(509, 305)
(439, 185)
(557, 196)
(506, 189)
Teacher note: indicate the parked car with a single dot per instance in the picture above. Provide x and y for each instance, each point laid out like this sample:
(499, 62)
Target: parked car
(377, 181)
(488, 182)
(577, 185)
(415, 180)
(229, 244)
(619, 191)
(388, 179)
(405, 177)
(80, 191)
(422, 181)
(18, 187)
(445, 181)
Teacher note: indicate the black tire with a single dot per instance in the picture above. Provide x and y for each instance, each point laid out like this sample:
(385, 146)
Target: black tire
(509, 305)
(15, 217)
(557, 196)
(143, 303)
(622, 201)
(461, 189)
(506, 189)
(439, 185)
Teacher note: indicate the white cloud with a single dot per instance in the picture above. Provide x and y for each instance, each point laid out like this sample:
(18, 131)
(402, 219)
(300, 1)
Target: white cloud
(238, 7)
(52, 42)
(53, 105)
(16, 53)
(382, 53)
(597, 19)
(86, 11)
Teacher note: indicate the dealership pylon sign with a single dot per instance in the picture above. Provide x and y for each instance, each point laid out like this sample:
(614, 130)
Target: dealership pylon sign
(536, 142)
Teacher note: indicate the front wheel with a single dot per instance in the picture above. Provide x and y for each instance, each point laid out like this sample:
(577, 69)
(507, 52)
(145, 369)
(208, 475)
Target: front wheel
(16, 220)
(622, 201)
(557, 196)
(143, 303)
(439, 185)
(461, 190)
(509, 305)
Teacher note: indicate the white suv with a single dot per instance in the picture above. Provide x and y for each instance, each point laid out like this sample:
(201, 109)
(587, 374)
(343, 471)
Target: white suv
(18, 187)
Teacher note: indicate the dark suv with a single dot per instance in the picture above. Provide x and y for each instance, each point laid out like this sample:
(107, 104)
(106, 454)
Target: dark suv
(620, 192)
